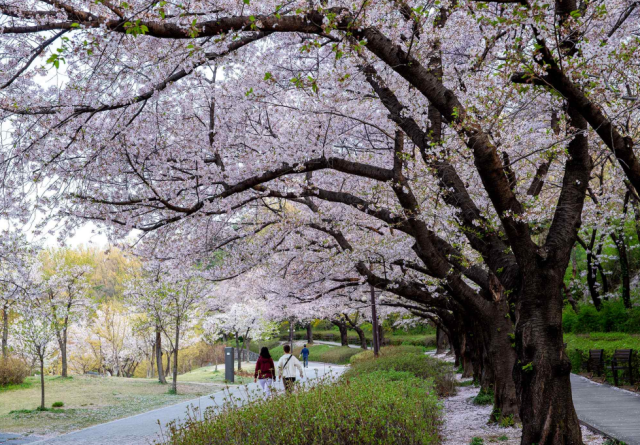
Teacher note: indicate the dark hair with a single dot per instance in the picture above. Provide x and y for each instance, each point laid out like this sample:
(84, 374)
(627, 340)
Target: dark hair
(264, 352)
(305, 345)
(287, 348)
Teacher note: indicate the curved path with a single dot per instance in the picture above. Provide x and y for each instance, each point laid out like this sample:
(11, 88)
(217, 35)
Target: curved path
(607, 409)
(144, 429)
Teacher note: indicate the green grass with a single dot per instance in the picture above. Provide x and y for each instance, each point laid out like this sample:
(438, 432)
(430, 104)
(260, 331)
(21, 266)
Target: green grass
(483, 398)
(395, 339)
(339, 355)
(208, 374)
(381, 407)
(578, 346)
(406, 359)
(28, 383)
(87, 401)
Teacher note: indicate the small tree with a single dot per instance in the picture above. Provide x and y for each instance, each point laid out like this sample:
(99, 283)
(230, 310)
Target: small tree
(36, 335)
(172, 302)
(66, 283)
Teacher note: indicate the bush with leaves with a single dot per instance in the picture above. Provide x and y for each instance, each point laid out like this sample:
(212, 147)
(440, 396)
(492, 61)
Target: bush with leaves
(389, 407)
(406, 359)
(13, 371)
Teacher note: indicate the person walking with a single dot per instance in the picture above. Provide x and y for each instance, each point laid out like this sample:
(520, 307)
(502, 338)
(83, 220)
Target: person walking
(305, 356)
(265, 372)
(287, 369)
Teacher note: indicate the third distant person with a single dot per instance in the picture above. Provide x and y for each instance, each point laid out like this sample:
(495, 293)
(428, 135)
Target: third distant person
(305, 356)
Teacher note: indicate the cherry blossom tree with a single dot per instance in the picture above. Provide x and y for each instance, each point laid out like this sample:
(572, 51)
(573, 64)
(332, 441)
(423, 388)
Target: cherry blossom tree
(172, 300)
(66, 287)
(471, 153)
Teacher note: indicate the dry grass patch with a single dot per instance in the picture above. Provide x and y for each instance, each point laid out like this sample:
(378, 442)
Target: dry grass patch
(87, 401)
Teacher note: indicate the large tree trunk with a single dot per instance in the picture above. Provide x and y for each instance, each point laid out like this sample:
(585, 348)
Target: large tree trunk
(363, 338)
(309, 334)
(174, 382)
(168, 368)
(342, 327)
(500, 360)
(5, 330)
(441, 340)
(161, 377)
(542, 372)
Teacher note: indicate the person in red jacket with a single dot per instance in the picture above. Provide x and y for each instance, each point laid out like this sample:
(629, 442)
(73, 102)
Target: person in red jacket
(265, 372)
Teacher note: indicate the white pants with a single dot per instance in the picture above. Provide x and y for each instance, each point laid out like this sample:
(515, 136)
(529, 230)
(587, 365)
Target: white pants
(265, 384)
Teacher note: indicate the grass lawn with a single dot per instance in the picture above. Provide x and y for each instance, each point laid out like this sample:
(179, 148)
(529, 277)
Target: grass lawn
(208, 374)
(87, 401)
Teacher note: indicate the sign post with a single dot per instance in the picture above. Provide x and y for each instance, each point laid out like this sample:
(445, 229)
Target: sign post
(228, 364)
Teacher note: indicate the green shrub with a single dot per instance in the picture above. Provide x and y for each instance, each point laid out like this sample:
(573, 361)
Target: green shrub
(393, 408)
(408, 359)
(13, 371)
(57, 404)
(477, 441)
(338, 355)
(589, 320)
(613, 317)
(484, 398)
(255, 346)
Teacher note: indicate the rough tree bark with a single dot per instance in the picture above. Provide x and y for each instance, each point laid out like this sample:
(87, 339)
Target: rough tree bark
(174, 381)
(342, 327)
(41, 357)
(309, 333)
(161, 375)
(441, 341)
(5, 330)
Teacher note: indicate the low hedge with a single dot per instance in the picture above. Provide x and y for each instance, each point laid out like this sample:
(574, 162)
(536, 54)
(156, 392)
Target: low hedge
(406, 359)
(578, 346)
(380, 407)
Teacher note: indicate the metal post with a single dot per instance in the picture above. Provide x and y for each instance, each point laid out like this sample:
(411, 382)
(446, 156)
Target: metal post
(228, 364)
(374, 322)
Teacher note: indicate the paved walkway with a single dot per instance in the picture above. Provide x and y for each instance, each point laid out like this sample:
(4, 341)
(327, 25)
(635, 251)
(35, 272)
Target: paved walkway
(143, 429)
(610, 410)
(333, 343)
(15, 439)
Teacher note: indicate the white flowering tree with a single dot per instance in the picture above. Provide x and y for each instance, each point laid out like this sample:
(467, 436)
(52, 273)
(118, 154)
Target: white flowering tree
(66, 285)
(172, 298)
(35, 334)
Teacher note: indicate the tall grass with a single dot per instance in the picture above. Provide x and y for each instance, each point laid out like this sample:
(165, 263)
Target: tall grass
(409, 359)
(391, 400)
(393, 408)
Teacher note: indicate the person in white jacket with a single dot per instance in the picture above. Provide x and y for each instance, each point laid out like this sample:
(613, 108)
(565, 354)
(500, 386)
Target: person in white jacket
(287, 368)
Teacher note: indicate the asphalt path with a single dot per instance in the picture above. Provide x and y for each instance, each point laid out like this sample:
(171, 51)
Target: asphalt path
(147, 428)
